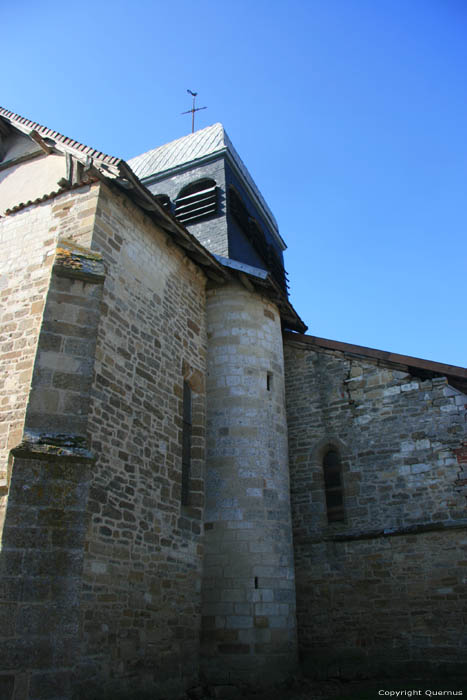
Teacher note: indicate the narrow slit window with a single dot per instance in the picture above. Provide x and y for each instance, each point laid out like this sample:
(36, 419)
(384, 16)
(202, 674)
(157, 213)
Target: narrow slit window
(269, 381)
(333, 486)
(186, 442)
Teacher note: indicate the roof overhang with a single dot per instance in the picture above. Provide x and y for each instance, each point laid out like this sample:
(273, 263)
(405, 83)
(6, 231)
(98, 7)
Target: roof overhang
(85, 164)
(256, 279)
(425, 369)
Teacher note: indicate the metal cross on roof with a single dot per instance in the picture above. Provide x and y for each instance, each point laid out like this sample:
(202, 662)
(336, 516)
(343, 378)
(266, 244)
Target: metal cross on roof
(193, 110)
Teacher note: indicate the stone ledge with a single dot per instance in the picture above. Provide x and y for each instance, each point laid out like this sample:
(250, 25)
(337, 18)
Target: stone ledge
(72, 260)
(352, 535)
(70, 448)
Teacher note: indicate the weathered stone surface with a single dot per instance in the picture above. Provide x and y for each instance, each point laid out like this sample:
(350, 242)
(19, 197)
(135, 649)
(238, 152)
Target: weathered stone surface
(248, 545)
(375, 587)
(105, 576)
(61, 381)
(140, 605)
(28, 242)
(43, 568)
(226, 692)
(116, 532)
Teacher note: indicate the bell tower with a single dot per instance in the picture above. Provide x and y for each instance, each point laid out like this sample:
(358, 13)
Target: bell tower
(248, 610)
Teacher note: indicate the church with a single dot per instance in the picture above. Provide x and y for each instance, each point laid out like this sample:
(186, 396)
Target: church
(193, 491)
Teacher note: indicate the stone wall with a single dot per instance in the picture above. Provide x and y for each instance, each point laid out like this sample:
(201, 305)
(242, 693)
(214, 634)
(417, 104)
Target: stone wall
(28, 240)
(140, 605)
(249, 631)
(64, 363)
(42, 549)
(27, 250)
(100, 562)
(382, 589)
(40, 573)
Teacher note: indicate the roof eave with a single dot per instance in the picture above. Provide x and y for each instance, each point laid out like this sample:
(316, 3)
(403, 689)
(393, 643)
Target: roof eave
(28, 127)
(452, 372)
(115, 170)
(257, 279)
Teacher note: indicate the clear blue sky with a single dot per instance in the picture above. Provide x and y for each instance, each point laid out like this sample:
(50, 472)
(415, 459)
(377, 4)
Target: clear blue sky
(350, 114)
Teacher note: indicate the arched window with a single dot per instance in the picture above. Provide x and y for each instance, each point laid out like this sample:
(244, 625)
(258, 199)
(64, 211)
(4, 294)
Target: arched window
(333, 486)
(196, 201)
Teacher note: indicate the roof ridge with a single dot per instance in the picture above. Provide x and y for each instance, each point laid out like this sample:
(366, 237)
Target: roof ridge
(44, 131)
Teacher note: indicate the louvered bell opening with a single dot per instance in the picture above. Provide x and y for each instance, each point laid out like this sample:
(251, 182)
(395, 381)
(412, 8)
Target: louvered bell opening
(258, 238)
(277, 270)
(280, 275)
(238, 209)
(253, 230)
(192, 207)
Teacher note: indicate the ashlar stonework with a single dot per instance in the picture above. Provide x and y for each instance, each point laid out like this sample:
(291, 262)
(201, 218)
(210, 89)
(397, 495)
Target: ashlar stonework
(193, 492)
(373, 588)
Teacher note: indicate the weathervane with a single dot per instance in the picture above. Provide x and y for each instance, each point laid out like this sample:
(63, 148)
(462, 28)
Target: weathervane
(193, 110)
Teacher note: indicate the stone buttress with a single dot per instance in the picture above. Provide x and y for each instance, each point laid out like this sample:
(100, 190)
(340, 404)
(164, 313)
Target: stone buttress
(42, 550)
(249, 630)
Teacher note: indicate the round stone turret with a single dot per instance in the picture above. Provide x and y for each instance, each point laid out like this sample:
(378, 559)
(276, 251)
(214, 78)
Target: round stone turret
(249, 628)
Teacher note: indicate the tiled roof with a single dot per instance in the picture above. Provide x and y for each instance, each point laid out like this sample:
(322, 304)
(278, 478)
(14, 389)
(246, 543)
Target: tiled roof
(213, 139)
(26, 125)
(114, 169)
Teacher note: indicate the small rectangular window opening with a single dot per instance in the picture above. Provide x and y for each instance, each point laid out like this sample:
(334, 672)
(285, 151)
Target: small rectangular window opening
(256, 582)
(186, 442)
(269, 381)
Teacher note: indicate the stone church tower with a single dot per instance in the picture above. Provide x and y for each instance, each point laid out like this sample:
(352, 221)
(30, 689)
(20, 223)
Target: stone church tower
(193, 491)
(249, 621)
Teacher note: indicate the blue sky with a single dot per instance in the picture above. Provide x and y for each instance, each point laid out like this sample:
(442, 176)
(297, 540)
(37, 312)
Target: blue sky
(349, 114)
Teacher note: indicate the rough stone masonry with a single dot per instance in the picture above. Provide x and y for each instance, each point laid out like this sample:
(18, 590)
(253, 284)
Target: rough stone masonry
(167, 506)
(383, 590)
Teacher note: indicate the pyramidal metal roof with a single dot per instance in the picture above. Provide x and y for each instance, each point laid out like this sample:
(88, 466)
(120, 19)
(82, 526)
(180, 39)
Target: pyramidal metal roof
(184, 150)
(188, 149)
